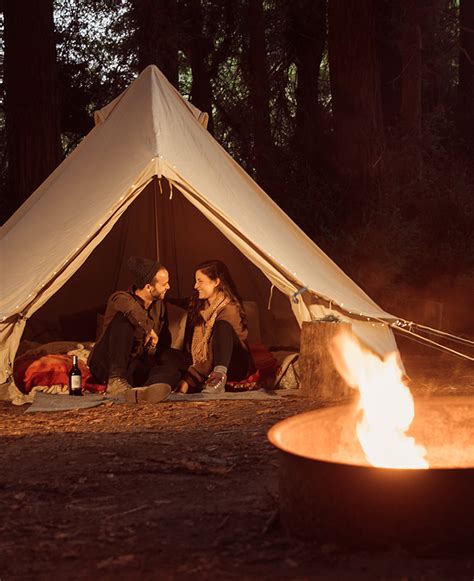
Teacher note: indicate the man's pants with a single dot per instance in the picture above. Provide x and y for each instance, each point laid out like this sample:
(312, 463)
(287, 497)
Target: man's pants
(112, 357)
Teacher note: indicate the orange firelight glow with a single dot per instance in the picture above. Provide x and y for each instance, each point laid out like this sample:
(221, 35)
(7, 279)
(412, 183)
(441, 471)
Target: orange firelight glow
(385, 402)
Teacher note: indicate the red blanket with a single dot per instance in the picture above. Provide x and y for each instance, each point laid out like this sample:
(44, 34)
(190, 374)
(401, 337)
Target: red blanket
(48, 370)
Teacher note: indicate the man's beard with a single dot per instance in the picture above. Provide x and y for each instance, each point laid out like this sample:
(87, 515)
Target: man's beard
(155, 295)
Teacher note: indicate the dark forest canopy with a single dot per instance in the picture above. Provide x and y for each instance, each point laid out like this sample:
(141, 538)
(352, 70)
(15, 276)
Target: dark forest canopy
(356, 116)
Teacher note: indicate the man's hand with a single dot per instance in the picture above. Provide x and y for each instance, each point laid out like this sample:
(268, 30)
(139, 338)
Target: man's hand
(182, 387)
(151, 340)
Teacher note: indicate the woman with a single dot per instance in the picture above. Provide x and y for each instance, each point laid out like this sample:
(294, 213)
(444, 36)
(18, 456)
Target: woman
(217, 332)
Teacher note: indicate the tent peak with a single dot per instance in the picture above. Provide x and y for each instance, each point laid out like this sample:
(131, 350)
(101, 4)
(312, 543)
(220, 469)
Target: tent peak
(150, 75)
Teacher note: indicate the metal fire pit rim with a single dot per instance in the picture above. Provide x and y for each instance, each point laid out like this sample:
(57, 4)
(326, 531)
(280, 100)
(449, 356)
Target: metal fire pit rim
(272, 433)
(309, 416)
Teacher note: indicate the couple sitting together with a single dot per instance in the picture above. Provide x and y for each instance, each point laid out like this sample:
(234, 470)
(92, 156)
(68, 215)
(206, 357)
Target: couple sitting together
(133, 355)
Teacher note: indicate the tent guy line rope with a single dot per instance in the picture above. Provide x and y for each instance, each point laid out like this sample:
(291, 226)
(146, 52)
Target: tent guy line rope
(431, 343)
(449, 336)
(401, 324)
(436, 347)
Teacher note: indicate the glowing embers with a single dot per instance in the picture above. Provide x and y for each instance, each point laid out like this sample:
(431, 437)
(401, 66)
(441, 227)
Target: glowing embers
(386, 407)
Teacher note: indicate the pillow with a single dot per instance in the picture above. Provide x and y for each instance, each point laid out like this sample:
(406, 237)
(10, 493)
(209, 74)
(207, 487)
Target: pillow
(53, 348)
(177, 324)
(264, 376)
(264, 360)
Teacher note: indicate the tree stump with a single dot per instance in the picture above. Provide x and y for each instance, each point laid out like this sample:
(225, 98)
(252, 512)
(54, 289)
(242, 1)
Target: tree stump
(318, 376)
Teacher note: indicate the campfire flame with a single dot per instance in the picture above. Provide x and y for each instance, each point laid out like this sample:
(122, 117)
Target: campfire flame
(386, 404)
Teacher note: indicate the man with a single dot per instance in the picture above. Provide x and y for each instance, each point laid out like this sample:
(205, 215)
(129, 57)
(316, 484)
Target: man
(128, 355)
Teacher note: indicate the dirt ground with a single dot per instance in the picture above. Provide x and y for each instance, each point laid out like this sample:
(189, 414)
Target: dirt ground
(177, 491)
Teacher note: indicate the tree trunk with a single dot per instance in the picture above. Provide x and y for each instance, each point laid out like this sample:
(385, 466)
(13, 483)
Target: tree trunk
(156, 33)
(410, 111)
(466, 73)
(199, 48)
(431, 54)
(307, 38)
(355, 89)
(31, 97)
(387, 27)
(259, 94)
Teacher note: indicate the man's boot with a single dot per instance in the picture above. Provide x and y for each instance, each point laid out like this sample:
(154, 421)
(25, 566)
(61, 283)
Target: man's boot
(120, 388)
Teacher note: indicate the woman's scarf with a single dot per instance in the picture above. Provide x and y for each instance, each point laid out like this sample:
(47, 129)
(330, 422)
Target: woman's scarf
(203, 330)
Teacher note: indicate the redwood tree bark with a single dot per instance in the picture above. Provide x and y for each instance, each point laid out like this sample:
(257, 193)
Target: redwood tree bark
(466, 72)
(31, 97)
(410, 110)
(387, 31)
(199, 47)
(431, 54)
(259, 94)
(307, 38)
(355, 89)
(157, 36)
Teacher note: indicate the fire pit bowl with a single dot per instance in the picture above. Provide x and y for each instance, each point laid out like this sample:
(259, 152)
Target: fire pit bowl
(328, 492)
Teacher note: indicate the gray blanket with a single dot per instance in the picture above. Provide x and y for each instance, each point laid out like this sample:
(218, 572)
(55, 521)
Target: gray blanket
(46, 402)
(258, 394)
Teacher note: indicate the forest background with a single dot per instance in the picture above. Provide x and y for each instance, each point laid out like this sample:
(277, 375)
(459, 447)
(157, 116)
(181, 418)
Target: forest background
(355, 116)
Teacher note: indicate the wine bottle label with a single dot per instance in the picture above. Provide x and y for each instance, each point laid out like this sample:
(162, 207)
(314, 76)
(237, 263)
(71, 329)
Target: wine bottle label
(76, 382)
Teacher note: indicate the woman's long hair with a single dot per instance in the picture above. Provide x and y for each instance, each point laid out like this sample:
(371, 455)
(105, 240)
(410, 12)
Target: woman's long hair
(214, 269)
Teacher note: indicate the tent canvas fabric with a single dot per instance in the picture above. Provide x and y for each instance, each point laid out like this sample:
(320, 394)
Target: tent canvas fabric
(149, 179)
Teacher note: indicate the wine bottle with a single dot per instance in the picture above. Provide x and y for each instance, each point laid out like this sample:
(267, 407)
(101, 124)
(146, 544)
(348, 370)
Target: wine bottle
(75, 378)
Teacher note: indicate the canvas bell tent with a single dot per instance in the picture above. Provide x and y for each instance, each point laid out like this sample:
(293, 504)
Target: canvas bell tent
(149, 179)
